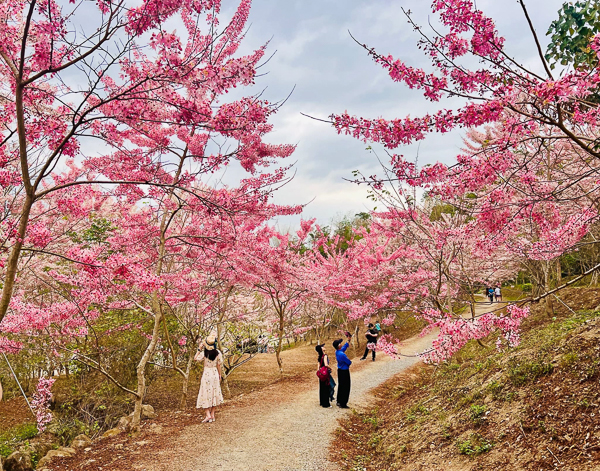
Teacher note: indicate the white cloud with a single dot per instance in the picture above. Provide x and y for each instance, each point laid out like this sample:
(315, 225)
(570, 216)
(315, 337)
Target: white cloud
(332, 73)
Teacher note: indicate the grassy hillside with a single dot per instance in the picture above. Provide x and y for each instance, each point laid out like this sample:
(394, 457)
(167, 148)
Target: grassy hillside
(535, 407)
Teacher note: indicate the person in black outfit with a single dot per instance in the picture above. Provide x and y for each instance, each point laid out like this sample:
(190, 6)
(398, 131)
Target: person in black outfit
(371, 335)
(326, 388)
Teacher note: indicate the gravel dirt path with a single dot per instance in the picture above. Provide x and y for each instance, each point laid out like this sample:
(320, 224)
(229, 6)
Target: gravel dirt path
(278, 426)
(275, 428)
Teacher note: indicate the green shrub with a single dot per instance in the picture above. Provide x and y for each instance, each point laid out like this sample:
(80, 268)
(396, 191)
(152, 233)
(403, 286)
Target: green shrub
(474, 445)
(477, 413)
(373, 421)
(10, 439)
(522, 371)
(374, 441)
(495, 388)
(568, 359)
(416, 411)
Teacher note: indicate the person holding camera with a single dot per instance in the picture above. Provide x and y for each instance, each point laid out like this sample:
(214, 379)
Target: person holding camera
(371, 336)
(343, 368)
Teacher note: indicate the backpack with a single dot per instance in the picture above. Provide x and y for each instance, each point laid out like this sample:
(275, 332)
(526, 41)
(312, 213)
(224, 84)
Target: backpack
(323, 374)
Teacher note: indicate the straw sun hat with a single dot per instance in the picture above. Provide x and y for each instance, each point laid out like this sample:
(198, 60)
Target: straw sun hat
(210, 342)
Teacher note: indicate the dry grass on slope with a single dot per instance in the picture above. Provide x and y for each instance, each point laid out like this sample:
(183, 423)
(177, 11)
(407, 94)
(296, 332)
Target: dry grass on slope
(535, 407)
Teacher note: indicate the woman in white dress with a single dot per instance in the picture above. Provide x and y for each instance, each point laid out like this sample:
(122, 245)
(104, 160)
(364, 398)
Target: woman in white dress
(210, 396)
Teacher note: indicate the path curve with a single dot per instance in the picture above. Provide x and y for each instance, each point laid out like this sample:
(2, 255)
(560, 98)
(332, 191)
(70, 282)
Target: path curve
(277, 430)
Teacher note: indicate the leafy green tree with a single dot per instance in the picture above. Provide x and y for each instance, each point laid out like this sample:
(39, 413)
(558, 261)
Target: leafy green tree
(342, 232)
(571, 32)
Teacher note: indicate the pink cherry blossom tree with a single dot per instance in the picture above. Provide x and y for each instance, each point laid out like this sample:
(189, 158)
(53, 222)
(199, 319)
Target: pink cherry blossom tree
(64, 90)
(524, 186)
(277, 269)
(153, 102)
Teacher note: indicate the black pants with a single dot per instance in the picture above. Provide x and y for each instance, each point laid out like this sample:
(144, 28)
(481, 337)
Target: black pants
(343, 387)
(324, 391)
(367, 351)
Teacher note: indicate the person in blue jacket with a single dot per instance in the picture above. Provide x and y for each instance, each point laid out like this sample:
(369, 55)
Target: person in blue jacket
(490, 293)
(343, 365)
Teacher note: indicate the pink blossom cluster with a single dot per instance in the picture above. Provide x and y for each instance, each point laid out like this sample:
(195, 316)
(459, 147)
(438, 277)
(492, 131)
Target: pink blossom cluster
(517, 186)
(40, 402)
(386, 345)
(454, 333)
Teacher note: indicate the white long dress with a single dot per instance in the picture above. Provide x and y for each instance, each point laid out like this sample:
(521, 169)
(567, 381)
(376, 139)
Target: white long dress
(210, 394)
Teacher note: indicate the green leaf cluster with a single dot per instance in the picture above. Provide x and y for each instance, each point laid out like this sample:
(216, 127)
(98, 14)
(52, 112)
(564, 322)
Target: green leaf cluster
(100, 229)
(571, 33)
(343, 231)
(474, 445)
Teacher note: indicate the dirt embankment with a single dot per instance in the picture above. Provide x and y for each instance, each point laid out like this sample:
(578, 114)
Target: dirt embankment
(535, 407)
(14, 412)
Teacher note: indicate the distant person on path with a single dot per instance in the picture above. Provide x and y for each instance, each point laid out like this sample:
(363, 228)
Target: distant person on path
(263, 342)
(343, 364)
(490, 294)
(326, 388)
(371, 335)
(210, 396)
(498, 294)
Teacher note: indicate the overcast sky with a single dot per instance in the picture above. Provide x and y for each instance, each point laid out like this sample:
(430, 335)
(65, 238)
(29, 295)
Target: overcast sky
(331, 73)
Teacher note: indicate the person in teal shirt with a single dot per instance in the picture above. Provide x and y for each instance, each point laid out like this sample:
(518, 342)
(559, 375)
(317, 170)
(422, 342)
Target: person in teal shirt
(343, 366)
